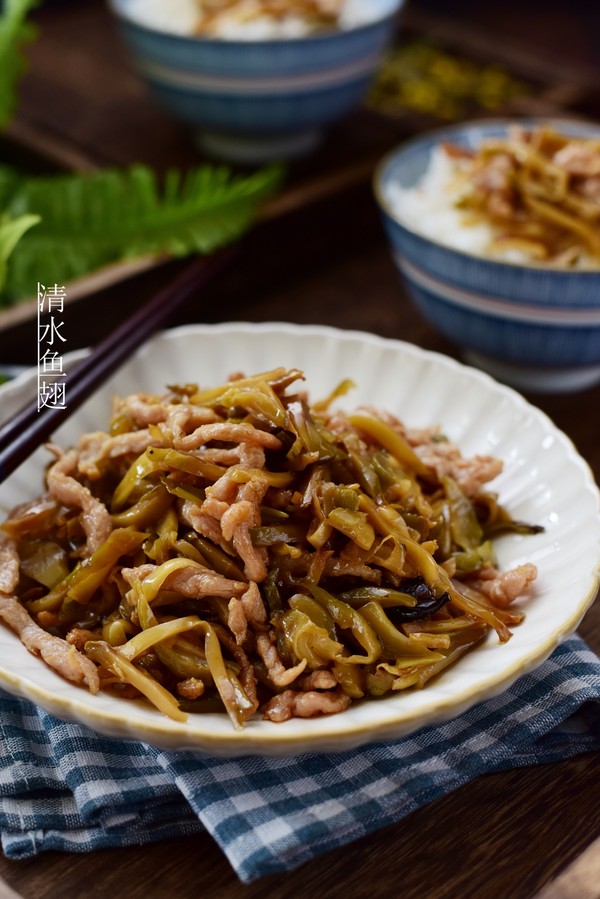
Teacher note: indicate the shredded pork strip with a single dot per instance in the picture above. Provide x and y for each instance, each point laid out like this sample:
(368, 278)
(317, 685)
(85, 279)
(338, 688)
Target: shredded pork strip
(96, 448)
(319, 680)
(95, 518)
(247, 611)
(190, 688)
(56, 652)
(246, 674)
(278, 673)
(9, 564)
(236, 523)
(141, 408)
(205, 525)
(192, 582)
(296, 704)
(237, 508)
(578, 159)
(503, 587)
(228, 433)
(470, 474)
(144, 409)
(183, 419)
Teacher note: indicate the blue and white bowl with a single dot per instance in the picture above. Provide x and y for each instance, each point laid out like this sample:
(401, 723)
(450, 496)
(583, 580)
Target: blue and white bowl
(252, 101)
(536, 327)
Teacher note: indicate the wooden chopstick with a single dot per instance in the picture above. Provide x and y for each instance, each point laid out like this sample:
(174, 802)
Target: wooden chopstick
(29, 428)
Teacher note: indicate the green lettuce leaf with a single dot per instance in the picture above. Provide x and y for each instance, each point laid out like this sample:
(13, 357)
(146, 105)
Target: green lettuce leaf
(11, 232)
(15, 32)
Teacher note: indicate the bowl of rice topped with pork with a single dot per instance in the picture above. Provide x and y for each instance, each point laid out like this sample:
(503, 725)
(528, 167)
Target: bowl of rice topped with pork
(257, 80)
(495, 227)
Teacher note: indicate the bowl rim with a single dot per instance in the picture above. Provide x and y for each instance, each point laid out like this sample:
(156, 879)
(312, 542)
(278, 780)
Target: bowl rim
(118, 12)
(426, 137)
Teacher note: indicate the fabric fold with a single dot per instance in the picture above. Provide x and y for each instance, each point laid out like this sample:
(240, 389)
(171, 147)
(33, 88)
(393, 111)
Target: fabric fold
(64, 787)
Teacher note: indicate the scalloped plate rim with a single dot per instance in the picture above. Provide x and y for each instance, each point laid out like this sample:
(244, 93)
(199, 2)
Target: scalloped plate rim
(387, 720)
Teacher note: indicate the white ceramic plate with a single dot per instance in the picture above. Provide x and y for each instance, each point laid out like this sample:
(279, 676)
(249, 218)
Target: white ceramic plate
(545, 481)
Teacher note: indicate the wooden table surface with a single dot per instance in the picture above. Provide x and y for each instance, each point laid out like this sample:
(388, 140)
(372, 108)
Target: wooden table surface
(322, 258)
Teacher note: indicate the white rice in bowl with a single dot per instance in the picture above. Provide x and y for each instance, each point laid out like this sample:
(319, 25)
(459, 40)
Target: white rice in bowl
(430, 209)
(245, 21)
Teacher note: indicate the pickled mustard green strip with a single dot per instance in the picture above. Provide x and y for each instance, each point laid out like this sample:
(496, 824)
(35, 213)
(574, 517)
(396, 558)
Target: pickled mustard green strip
(555, 215)
(189, 551)
(390, 439)
(126, 672)
(385, 519)
(315, 612)
(151, 584)
(364, 469)
(146, 511)
(168, 526)
(348, 618)
(184, 659)
(184, 491)
(120, 424)
(273, 478)
(320, 535)
(395, 643)
(272, 592)
(441, 626)
(116, 632)
(432, 671)
(386, 597)
(350, 678)
(388, 522)
(390, 553)
(342, 389)
(87, 576)
(258, 400)
(282, 377)
(46, 562)
(345, 497)
(146, 639)
(306, 640)
(464, 526)
(269, 535)
(235, 699)
(156, 459)
(217, 558)
(386, 469)
(311, 436)
(476, 558)
(135, 474)
(471, 606)
(353, 525)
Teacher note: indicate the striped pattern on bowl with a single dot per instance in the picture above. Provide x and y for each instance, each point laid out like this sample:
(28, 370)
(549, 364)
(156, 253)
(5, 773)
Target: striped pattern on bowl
(529, 315)
(268, 86)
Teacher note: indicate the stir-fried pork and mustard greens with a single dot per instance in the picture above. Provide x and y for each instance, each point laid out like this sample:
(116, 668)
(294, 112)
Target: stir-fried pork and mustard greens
(237, 548)
(214, 16)
(539, 190)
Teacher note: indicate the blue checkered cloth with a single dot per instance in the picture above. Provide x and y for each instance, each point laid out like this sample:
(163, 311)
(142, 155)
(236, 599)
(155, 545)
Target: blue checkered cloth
(64, 787)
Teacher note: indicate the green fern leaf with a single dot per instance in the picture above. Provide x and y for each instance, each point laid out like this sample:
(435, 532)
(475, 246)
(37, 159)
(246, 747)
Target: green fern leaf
(91, 220)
